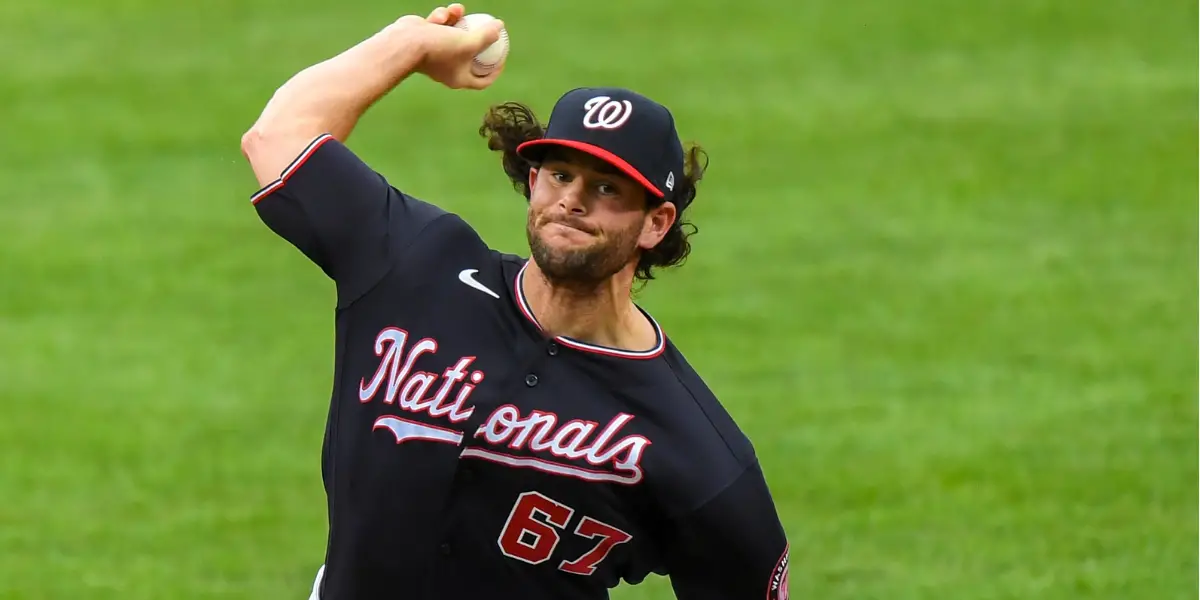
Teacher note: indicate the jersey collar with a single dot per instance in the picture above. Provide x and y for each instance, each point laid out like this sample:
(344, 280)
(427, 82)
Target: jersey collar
(659, 344)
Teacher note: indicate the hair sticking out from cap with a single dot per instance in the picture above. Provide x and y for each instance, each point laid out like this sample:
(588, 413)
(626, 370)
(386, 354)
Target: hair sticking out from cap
(506, 126)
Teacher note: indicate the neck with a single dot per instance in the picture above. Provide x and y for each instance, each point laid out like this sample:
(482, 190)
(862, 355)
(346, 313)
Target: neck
(601, 314)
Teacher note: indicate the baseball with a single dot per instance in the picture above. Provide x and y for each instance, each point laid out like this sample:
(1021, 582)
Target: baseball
(493, 56)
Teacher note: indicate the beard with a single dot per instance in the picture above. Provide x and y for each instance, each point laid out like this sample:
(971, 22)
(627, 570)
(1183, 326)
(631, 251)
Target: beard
(581, 268)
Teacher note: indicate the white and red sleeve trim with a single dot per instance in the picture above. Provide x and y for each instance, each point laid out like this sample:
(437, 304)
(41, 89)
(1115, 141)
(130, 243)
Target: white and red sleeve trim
(270, 188)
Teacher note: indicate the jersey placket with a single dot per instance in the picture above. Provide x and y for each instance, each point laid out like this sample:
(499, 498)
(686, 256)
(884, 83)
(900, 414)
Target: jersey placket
(533, 349)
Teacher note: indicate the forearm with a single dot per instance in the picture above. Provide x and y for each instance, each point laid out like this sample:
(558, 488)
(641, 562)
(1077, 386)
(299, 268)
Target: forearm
(329, 97)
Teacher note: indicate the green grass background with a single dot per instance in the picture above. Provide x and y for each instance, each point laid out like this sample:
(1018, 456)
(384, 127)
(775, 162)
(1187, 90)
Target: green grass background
(945, 278)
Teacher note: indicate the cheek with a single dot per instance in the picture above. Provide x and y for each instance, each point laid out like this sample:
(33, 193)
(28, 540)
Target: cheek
(536, 204)
(541, 197)
(630, 230)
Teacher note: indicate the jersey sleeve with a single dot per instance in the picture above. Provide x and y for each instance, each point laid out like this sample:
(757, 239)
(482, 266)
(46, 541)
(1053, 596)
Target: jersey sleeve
(733, 546)
(342, 215)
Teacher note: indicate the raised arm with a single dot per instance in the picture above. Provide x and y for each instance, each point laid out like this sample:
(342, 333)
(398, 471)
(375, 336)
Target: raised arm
(330, 97)
(316, 193)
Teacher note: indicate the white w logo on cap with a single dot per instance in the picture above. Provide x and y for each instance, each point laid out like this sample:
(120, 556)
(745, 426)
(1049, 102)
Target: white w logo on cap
(605, 113)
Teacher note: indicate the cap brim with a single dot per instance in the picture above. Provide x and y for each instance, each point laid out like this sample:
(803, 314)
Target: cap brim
(599, 153)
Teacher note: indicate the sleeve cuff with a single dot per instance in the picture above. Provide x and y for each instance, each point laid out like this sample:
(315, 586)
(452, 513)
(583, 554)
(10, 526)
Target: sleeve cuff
(274, 186)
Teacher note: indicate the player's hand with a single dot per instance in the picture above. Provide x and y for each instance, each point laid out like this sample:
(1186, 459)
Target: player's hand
(448, 51)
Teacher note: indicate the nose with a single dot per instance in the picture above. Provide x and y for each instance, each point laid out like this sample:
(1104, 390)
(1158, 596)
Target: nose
(573, 198)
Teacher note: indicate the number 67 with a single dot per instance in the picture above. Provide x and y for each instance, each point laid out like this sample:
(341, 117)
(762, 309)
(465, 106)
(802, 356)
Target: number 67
(523, 523)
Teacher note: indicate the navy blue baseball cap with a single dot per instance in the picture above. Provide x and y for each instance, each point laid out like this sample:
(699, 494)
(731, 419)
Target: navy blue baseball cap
(623, 128)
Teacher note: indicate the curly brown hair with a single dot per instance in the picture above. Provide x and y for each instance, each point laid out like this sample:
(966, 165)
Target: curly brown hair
(510, 124)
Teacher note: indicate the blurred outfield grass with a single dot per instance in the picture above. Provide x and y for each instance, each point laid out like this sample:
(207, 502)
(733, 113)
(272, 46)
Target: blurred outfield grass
(945, 279)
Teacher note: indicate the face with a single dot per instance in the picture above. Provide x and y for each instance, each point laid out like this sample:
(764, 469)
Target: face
(588, 221)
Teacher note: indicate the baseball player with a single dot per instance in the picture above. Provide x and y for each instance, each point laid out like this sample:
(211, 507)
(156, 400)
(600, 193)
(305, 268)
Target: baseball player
(503, 427)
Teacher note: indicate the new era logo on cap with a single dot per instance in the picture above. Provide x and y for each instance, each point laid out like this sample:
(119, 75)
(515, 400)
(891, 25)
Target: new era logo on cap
(628, 130)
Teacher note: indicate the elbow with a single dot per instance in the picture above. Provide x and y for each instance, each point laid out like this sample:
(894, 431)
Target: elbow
(271, 147)
(251, 140)
(264, 148)
(264, 140)
(261, 148)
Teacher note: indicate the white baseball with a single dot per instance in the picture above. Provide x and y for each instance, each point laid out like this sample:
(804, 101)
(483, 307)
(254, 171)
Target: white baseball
(493, 56)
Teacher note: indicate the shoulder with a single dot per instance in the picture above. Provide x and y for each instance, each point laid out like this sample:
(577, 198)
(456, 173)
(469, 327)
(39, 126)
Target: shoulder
(694, 392)
(437, 254)
(705, 450)
(445, 236)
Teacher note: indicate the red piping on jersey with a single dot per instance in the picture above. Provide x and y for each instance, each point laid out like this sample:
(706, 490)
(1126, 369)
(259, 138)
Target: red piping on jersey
(583, 346)
(296, 164)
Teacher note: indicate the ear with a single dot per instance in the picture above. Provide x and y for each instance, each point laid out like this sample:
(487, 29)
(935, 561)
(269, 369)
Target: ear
(533, 173)
(656, 225)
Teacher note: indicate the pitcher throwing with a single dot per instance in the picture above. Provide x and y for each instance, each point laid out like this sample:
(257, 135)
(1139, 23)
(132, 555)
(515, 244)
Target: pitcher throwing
(506, 427)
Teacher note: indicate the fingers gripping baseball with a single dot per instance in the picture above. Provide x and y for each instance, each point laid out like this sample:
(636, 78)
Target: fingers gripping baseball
(446, 15)
(453, 44)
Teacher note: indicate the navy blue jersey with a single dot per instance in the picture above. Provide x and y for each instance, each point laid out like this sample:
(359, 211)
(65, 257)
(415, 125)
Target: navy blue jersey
(470, 455)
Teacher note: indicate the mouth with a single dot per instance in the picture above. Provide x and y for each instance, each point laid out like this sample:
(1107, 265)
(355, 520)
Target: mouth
(569, 228)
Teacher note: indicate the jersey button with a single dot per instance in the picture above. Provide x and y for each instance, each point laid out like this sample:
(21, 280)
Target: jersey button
(531, 380)
(445, 549)
(552, 349)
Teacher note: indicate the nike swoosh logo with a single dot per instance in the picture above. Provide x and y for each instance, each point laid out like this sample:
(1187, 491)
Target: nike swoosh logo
(467, 276)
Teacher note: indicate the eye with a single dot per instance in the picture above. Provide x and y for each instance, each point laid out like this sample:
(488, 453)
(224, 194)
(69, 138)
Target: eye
(560, 177)
(608, 189)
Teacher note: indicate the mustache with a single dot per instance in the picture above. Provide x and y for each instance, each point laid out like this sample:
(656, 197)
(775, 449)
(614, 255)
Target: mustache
(570, 221)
